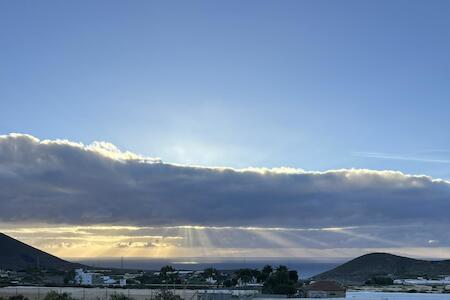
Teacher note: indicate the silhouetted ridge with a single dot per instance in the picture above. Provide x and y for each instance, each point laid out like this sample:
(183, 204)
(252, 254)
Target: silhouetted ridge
(15, 255)
(372, 265)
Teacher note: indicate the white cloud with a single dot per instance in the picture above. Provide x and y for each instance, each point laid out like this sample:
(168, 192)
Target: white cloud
(62, 182)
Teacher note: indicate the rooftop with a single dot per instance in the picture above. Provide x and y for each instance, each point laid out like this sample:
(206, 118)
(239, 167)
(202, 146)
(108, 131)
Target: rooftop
(325, 285)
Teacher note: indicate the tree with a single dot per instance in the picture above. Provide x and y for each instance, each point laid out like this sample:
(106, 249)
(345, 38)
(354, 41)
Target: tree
(293, 275)
(167, 269)
(282, 281)
(247, 275)
(227, 283)
(69, 276)
(282, 268)
(149, 279)
(210, 272)
(234, 281)
(265, 273)
(168, 275)
(267, 269)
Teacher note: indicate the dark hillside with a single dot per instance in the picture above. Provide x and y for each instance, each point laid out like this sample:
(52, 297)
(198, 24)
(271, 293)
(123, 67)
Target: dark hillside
(15, 255)
(367, 266)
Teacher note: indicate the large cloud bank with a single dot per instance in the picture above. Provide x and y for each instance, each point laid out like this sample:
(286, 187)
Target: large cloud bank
(61, 182)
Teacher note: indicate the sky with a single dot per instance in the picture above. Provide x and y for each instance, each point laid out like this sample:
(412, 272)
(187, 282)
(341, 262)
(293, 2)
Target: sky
(267, 128)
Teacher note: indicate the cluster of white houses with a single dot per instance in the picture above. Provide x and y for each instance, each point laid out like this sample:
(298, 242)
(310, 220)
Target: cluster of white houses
(83, 277)
(316, 289)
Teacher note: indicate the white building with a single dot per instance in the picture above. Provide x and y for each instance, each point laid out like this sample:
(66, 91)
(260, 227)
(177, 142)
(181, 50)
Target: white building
(88, 278)
(422, 281)
(84, 278)
(4, 274)
(211, 280)
(252, 283)
(108, 280)
(123, 282)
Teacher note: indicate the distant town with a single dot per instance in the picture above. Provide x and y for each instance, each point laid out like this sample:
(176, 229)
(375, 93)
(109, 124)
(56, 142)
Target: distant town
(269, 280)
(207, 284)
(27, 273)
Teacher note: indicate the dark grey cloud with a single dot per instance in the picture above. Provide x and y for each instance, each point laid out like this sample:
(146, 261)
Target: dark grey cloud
(60, 182)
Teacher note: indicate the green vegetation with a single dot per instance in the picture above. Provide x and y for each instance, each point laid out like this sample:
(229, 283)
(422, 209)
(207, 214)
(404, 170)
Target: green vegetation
(166, 295)
(58, 296)
(377, 280)
(211, 272)
(282, 281)
(50, 296)
(364, 268)
(274, 281)
(168, 274)
(69, 276)
(247, 275)
(265, 273)
(119, 296)
(15, 297)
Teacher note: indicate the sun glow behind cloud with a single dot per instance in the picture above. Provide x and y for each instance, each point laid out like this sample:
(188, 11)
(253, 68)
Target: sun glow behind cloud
(96, 200)
(204, 241)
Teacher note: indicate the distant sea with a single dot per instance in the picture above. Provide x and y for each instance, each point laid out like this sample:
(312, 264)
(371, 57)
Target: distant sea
(305, 268)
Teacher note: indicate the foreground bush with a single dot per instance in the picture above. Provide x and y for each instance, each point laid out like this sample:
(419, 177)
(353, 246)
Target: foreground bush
(167, 295)
(57, 296)
(117, 296)
(15, 297)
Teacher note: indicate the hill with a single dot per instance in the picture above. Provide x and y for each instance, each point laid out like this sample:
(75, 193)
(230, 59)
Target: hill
(15, 255)
(368, 266)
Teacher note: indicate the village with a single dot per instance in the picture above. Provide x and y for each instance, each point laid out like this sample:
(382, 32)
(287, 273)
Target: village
(207, 284)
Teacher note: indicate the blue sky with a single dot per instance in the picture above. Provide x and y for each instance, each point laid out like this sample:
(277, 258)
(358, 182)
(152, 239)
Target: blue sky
(308, 84)
(312, 85)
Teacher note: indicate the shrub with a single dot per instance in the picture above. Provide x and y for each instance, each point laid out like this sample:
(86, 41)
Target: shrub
(117, 296)
(18, 297)
(57, 296)
(380, 281)
(167, 295)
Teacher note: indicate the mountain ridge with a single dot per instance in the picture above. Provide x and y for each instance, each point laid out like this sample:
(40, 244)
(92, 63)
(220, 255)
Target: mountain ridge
(16, 255)
(379, 264)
